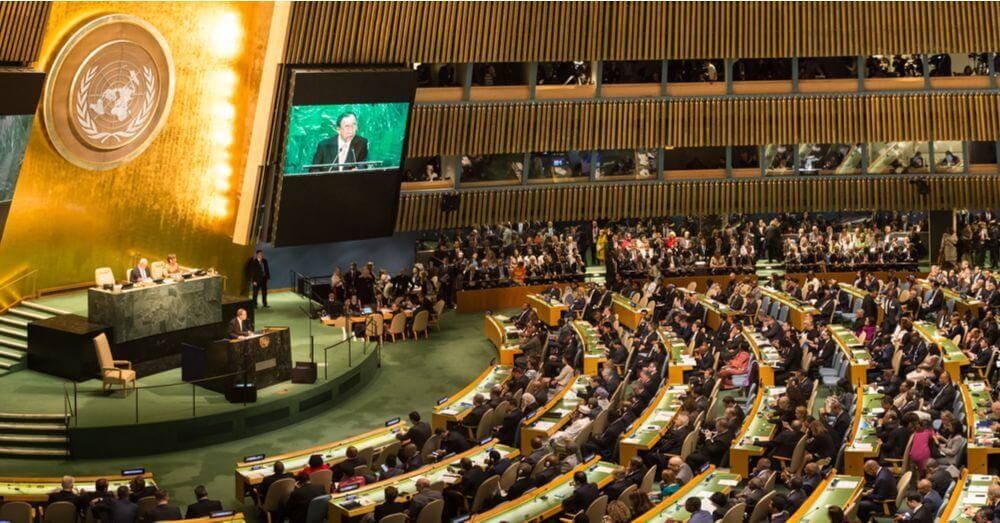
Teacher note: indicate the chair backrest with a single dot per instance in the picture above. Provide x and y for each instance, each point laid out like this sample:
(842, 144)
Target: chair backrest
(362, 470)
(647, 481)
(762, 509)
(16, 512)
(323, 478)
(901, 485)
(366, 454)
(487, 490)
(906, 454)
(484, 426)
(277, 494)
(584, 435)
(144, 506)
(597, 509)
(897, 361)
(626, 496)
(735, 514)
(420, 321)
(157, 270)
(509, 477)
(782, 318)
(390, 450)
(540, 466)
(317, 511)
(61, 512)
(500, 412)
(398, 324)
(431, 513)
(689, 443)
(798, 456)
(399, 517)
(104, 276)
(103, 349)
(430, 445)
(439, 309)
(807, 359)
(601, 421)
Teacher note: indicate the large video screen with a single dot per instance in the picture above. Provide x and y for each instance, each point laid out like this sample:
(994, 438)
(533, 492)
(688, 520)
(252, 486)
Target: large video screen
(19, 93)
(339, 138)
(344, 142)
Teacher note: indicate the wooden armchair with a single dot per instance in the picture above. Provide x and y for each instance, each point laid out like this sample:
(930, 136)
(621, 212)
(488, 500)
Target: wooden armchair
(111, 373)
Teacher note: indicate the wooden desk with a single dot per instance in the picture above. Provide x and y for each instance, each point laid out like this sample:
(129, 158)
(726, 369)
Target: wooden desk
(655, 421)
(756, 426)
(967, 498)
(549, 310)
(455, 408)
(857, 356)
(766, 355)
(446, 472)
(839, 490)
(495, 299)
(249, 475)
(679, 358)
(701, 486)
(629, 313)
(798, 311)
(951, 355)
(554, 415)
(502, 332)
(37, 489)
(864, 443)
(545, 503)
(593, 349)
(976, 395)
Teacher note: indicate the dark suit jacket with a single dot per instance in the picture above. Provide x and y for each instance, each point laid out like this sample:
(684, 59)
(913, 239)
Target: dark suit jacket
(234, 327)
(884, 486)
(675, 440)
(923, 515)
(510, 425)
(136, 276)
(418, 434)
(520, 487)
(388, 509)
(326, 151)
(471, 480)
(944, 398)
(268, 481)
(64, 495)
(163, 513)
(298, 501)
(202, 508)
(258, 271)
(581, 498)
(113, 510)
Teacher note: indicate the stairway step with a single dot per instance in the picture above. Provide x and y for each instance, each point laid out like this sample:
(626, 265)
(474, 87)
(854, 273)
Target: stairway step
(14, 322)
(32, 438)
(34, 452)
(33, 416)
(28, 313)
(43, 308)
(6, 365)
(11, 354)
(22, 334)
(12, 343)
(31, 427)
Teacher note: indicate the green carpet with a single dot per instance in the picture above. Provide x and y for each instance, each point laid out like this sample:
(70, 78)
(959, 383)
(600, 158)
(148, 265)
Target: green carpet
(413, 377)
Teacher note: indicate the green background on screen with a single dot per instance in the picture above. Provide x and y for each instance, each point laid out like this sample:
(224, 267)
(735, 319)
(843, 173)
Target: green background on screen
(382, 124)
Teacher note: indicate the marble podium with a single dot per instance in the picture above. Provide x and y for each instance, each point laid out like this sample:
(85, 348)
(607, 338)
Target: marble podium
(141, 312)
(267, 358)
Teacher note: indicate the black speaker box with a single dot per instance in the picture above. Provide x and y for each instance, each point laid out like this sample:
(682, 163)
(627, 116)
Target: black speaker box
(240, 393)
(304, 372)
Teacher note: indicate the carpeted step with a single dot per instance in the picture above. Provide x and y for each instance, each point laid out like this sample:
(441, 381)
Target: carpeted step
(14, 333)
(20, 426)
(30, 314)
(12, 343)
(14, 321)
(32, 452)
(33, 439)
(43, 308)
(11, 354)
(33, 416)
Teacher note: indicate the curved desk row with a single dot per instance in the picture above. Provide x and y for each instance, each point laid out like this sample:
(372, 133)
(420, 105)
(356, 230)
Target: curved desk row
(37, 489)
(701, 486)
(455, 408)
(555, 414)
(756, 426)
(653, 424)
(857, 356)
(593, 348)
(679, 357)
(767, 356)
(951, 354)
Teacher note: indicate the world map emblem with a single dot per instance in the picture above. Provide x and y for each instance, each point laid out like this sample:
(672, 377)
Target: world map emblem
(108, 91)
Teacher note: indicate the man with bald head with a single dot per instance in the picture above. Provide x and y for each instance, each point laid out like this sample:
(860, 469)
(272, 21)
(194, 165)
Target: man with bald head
(883, 488)
(424, 496)
(929, 498)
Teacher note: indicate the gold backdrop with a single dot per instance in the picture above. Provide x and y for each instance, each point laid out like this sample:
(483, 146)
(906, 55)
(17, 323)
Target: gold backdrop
(180, 195)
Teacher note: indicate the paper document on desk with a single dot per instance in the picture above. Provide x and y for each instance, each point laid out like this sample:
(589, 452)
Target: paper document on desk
(846, 484)
(728, 482)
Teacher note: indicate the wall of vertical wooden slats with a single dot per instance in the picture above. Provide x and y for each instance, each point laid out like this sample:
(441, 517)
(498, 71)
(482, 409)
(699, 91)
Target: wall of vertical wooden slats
(422, 211)
(22, 26)
(618, 124)
(400, 32)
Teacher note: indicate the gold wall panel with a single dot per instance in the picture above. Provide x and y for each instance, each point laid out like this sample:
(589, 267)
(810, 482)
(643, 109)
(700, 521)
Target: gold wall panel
(400, 32)
(180, 195)
(627, 124)
(22, 25)
(422, 211)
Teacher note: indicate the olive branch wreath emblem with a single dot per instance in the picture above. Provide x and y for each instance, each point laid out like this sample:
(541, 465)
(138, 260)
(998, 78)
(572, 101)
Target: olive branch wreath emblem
(89, 127)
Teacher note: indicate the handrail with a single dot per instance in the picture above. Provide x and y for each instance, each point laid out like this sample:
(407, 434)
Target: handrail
(16, 298)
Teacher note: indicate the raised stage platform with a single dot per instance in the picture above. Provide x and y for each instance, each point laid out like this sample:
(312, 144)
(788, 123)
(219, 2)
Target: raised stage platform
(178, 415)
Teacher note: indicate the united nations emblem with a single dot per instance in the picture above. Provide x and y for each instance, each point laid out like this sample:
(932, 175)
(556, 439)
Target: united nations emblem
(265, 342)
(108, 91)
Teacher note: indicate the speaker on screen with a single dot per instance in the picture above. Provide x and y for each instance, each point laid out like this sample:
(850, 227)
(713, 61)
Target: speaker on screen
(343, 144)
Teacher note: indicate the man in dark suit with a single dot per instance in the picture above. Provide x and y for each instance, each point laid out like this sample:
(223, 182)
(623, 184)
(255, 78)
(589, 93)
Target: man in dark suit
(919, 512)
(140, 489)
(507, 431)
(933, 301)
(204, 507)
(279, 473)
(298, 501)
(472, 477)
(258, 272)
(523, 483)
(425, 495)
(942, 395)
(346, 147)
(883, 488)
(419, 431)
(140, 272)
(98, 495)
(869, 305)
(239, 325)
(584, 493)
(390, 506)
(117, 510)
(66, 493)
(163, 511)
